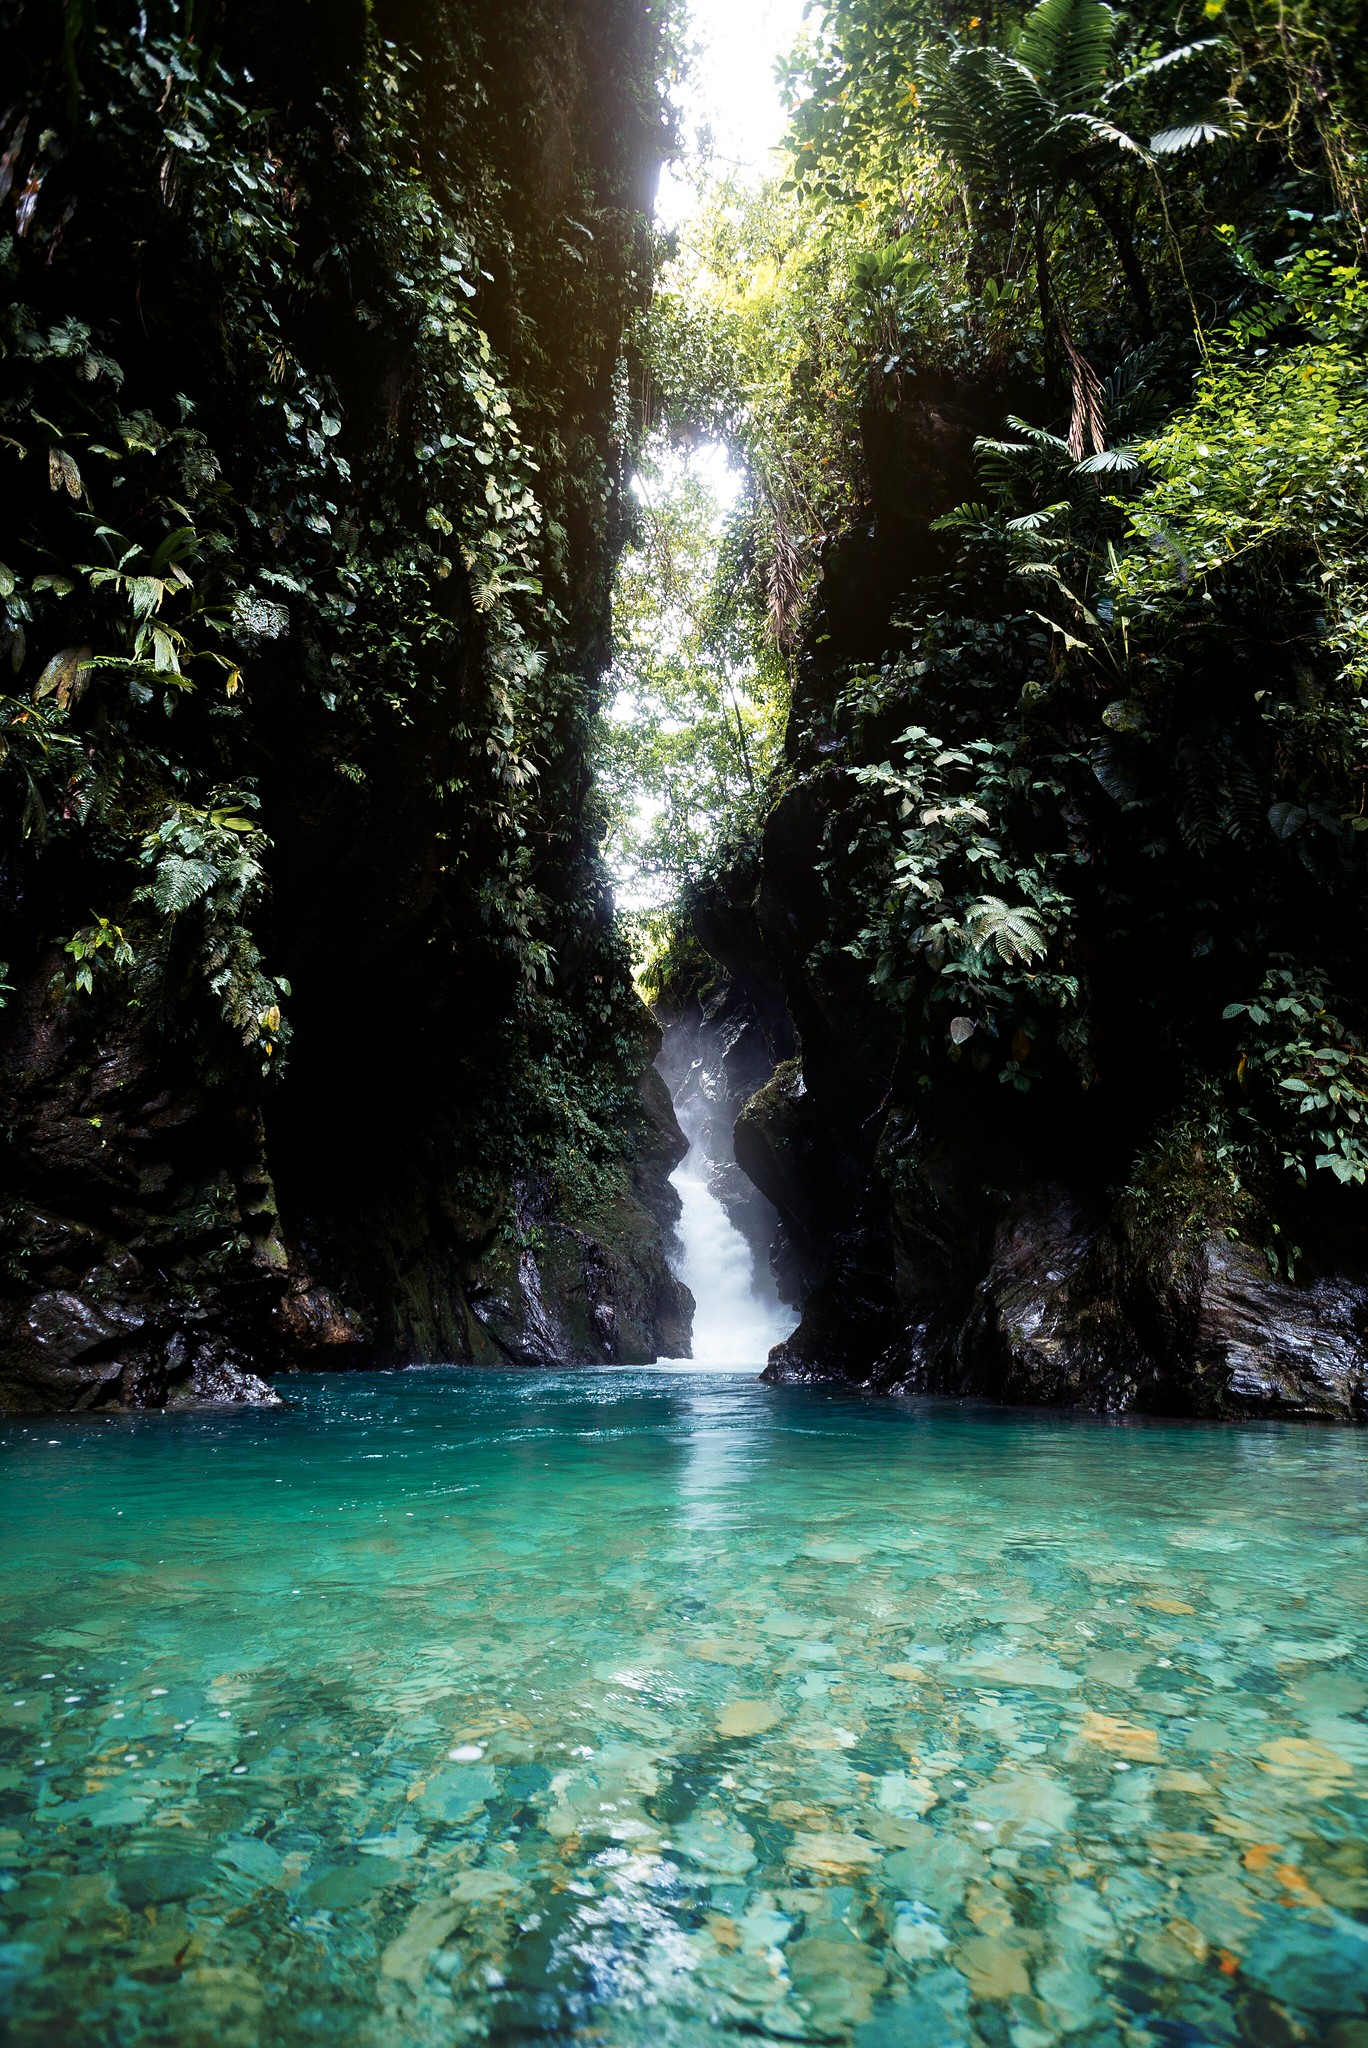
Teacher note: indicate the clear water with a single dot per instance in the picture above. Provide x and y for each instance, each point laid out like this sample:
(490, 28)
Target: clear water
(623, 1708)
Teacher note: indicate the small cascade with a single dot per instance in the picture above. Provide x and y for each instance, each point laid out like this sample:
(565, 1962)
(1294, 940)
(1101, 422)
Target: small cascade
(738, 1316)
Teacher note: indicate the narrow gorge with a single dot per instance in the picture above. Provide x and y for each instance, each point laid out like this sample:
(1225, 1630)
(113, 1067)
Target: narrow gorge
(1020, 877)
(683, 1024)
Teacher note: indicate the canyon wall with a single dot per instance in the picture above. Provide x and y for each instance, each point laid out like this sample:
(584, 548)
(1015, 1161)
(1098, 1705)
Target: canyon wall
(970, 1211)
(318, 1046)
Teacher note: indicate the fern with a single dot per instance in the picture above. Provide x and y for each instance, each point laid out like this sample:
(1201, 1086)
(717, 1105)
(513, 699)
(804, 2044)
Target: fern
(179, 882)
(103, 790)
(1133, 406)
(989, 113)
(1200, 809)
(1245, 811)
(1220, 796)
(1015, 932)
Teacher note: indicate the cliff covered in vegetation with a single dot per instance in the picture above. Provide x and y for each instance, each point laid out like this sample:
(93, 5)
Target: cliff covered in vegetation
(317, 1039)
(1048, 361)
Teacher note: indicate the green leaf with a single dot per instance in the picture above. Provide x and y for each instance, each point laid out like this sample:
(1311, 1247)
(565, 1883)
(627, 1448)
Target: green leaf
(1015, 932)
(1192, 135)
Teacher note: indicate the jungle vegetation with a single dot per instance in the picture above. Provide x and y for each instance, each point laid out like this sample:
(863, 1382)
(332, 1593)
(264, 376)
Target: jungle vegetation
(315, 491)
(1096, 791)
(314, 411)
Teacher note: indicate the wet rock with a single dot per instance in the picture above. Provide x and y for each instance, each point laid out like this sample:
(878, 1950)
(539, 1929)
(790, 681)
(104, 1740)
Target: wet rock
(139, 1246)
(1048, 1325)
(188, 1374)
(847, 1318)
(159, 1879)
(589, 1291)
(661, 1146)
(775, 1141)
(1262, 1347)
(1041, 1294)
(1065, 1311)
(310, 1317)
(57, 1329)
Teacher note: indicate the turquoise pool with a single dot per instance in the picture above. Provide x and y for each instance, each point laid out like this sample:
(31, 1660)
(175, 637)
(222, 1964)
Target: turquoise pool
(633, 1707)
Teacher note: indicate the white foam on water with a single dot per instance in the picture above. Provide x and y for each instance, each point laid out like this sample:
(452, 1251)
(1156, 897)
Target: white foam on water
(737, 1318)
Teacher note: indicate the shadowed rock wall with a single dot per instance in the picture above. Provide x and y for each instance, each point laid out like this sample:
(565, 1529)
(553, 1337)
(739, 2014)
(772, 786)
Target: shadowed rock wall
(1026, 1247)
(312, 383)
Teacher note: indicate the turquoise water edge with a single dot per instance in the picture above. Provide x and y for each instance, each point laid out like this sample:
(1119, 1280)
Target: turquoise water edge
(635, 1707)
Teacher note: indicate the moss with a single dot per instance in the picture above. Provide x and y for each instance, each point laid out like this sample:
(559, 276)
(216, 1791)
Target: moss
(1192, 1183)
(325, 355)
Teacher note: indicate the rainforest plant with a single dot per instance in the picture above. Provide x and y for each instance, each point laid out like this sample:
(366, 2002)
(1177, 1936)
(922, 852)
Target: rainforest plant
(1103, 787)
(302, 560)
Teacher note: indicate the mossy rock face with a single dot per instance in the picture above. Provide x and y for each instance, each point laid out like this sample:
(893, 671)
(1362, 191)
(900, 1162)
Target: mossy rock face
(1045, 1293)
(589, 1285)
(289, 1134)
(774, 1139)
(781, 1145)
(141, 1255)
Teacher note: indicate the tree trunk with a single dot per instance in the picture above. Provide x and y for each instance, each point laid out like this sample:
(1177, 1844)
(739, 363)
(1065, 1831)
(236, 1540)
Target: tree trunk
(1113, 218)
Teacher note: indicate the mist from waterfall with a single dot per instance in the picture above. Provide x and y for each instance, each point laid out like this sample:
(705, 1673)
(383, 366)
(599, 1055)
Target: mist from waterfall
(738, 1316)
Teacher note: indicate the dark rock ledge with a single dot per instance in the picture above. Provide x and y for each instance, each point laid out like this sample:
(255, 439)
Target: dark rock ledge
(1053, 1301)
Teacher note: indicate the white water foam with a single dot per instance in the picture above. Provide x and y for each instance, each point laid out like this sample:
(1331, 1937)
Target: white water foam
(737, 1318)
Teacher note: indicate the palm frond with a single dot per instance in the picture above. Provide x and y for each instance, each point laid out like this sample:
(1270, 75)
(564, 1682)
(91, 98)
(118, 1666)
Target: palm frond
(1193, 135)
(1109, 461)
(1092, 135)
(1039, 437)
(1067, 45)
(1184, 54)
(1037, 522)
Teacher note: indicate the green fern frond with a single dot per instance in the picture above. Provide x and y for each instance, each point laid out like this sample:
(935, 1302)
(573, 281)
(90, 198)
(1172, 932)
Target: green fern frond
(1202, 808)
(1016, 933)
(1245, 805)
(1068, 45)
(179, 882)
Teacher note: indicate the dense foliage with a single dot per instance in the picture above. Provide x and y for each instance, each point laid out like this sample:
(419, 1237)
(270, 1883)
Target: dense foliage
(691, 734)
(1089, 745)
(312, 495)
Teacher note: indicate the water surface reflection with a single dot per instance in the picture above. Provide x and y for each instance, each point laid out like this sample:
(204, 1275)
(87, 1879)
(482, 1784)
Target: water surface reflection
(630, 1708)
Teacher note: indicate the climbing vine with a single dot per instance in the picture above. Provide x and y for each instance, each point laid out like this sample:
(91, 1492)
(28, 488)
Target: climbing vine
(306, 528)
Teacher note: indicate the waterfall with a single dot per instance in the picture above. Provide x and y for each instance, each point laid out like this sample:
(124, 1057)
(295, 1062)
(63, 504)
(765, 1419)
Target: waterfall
(738, 1316)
